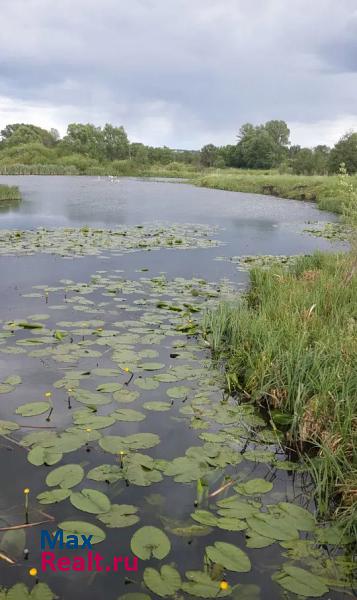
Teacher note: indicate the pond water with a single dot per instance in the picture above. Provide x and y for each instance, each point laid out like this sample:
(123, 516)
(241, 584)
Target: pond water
(103, 334)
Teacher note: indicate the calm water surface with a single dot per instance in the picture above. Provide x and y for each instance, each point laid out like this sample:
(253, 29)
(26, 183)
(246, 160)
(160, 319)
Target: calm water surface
(250, 224)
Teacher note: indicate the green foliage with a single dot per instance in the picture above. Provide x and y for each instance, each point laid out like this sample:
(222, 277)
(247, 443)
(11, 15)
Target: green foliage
(345, 151)
(349, 192)
(302, 365)
(325, 190)
(90, 150)
(9, 193)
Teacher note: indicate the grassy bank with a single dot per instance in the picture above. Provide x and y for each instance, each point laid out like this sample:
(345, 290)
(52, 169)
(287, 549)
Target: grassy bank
(9, 193)
(119, 168)
(290, 344)
(325, 190)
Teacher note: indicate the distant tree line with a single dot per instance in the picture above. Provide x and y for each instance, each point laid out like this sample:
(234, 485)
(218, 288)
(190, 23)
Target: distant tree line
(84, 146)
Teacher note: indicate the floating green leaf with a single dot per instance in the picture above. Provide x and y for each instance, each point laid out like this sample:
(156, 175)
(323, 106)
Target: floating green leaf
(157, 406)
(204, 517)
(179, 391)
(13, 380)
(7, 426)
(66, 476)
(300, 582)
(254, 487)
(53, 496)
(146, 383)
(115, 443)
(229, 556)
(92, 421)
(127, 414)
(40, 591)
(109, 387)
(126, 395)
(82, 527)
(120, 515)
(109, 473)
(44, 456)
(200, 584)
(301, 517)
(32, 409)
(150, 542)
(152, 366)
(134, 596)
(271, 526)
(91, 501)
(164, 583)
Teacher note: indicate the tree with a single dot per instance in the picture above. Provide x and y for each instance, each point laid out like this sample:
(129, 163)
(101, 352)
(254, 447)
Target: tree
(303, 162)
(139, 153)
(115, 142)
(345, 151)
(321, 159)
(16, 134)
(163, 155)
(263, 146)
(209, 155)
(279, 131)
(84, 139)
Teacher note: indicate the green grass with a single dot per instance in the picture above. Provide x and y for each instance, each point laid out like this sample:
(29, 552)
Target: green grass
(82, 166)
(9, 193)
(325, 190)
(291, 345)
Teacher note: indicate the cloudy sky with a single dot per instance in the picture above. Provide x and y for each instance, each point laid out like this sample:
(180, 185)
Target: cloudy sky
(181, 72)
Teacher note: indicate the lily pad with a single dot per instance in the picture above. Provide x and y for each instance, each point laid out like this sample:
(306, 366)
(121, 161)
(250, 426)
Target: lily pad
(53, 496)
(127, 414)
(146, 383)
(303, 519)
(271, 526)
(66, 476)
(254, 487)
(164, 583)
(82, 527)
(19, 591)
(229, 556)
(120, 515)
(110, 387)
(179, 391)
(5, 388)
(92, 421)
(300, 582)
(44, 456)
(13, 380)
(157, 406)
(134, 596)
(109, 473)
(150, 542)
(201, 585)
(32, 409)
(204, 517)
(126, 395)
(8, 426)
(91, 501)
(152, 366)
(115, 443)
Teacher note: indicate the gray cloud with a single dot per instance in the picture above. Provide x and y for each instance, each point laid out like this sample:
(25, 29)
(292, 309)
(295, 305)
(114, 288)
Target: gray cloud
(181, 72)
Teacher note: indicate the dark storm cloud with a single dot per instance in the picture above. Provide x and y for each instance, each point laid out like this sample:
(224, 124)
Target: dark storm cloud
(180, 72)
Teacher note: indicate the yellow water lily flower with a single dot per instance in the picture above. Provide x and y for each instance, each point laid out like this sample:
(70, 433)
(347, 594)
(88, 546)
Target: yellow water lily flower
(33, 572)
